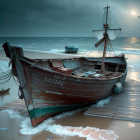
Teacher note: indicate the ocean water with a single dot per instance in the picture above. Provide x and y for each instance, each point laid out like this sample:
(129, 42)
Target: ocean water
(126, 45)
(122, 45)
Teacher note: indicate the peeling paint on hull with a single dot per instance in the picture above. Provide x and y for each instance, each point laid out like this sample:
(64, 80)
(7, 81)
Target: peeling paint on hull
(43, 113)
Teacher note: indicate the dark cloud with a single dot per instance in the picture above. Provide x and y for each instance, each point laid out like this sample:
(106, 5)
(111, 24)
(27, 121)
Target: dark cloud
(62, 17)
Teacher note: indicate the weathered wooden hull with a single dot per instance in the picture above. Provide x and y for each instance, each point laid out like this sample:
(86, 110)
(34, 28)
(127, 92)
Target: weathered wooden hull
(53, 93)
(48, 92)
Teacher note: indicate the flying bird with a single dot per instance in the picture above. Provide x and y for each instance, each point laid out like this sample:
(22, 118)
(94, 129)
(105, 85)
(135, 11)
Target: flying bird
(138, 16)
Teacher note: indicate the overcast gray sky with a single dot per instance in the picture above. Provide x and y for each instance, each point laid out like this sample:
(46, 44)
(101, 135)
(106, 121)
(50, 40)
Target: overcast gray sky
(65, 18)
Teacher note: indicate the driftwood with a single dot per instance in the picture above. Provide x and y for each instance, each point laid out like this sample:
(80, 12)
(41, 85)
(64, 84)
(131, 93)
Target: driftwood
(4, 91)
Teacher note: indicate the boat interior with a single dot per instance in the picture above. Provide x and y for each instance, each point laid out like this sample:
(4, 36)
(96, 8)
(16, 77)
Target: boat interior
(85, 67)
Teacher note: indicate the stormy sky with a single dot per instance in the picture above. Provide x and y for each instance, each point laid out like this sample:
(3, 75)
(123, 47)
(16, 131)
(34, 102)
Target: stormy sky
(65, 18)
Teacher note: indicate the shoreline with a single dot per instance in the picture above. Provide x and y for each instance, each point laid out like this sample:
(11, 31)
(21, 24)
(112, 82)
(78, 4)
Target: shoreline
(38, 55)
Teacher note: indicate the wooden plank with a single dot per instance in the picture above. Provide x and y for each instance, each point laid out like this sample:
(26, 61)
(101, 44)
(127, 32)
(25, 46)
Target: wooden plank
(16, 105)
(125, 106)
(19, 101)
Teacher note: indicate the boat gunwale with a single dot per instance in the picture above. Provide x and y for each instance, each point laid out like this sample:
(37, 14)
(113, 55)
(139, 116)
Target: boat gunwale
(22, 58)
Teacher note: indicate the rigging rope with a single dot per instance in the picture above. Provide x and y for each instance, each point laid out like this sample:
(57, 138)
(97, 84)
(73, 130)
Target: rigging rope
(114, 18)
(112, 47)
(90, 50)
(5, 76)
(6, 80)
(8, 76)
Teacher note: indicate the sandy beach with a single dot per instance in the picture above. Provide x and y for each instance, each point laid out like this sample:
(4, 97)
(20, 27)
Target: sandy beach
(39, 55)
(125, 130)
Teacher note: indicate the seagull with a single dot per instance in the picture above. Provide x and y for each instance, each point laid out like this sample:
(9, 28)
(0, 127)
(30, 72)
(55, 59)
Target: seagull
(3, 129)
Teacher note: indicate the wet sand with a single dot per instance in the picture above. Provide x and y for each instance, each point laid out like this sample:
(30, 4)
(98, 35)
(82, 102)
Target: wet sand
(126, 130)
(47, 55)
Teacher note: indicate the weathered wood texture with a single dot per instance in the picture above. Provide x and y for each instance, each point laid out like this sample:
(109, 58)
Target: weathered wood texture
(16, 105)
(48, 89)
(125, 106)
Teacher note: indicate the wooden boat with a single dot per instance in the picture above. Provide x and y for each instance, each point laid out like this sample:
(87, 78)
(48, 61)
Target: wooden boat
(51, 86)
(4, 91)
(71, 49)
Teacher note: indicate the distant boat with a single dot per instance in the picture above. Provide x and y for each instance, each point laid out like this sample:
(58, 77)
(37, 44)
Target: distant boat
(4, 91)
(51, 86)
(71, 49)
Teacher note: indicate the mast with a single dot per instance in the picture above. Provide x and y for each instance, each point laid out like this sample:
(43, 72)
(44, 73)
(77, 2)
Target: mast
(105, 36)
(106, 12)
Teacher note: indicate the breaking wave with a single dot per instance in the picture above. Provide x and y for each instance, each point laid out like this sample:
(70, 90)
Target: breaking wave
(102, 102)
(90, 133)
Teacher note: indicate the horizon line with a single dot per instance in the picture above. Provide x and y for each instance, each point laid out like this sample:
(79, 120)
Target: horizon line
(62, 36)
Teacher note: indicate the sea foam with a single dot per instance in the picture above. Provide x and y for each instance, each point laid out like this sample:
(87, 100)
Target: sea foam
(56, 51)
(12, 113)
(102, 102)
(90, 133)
